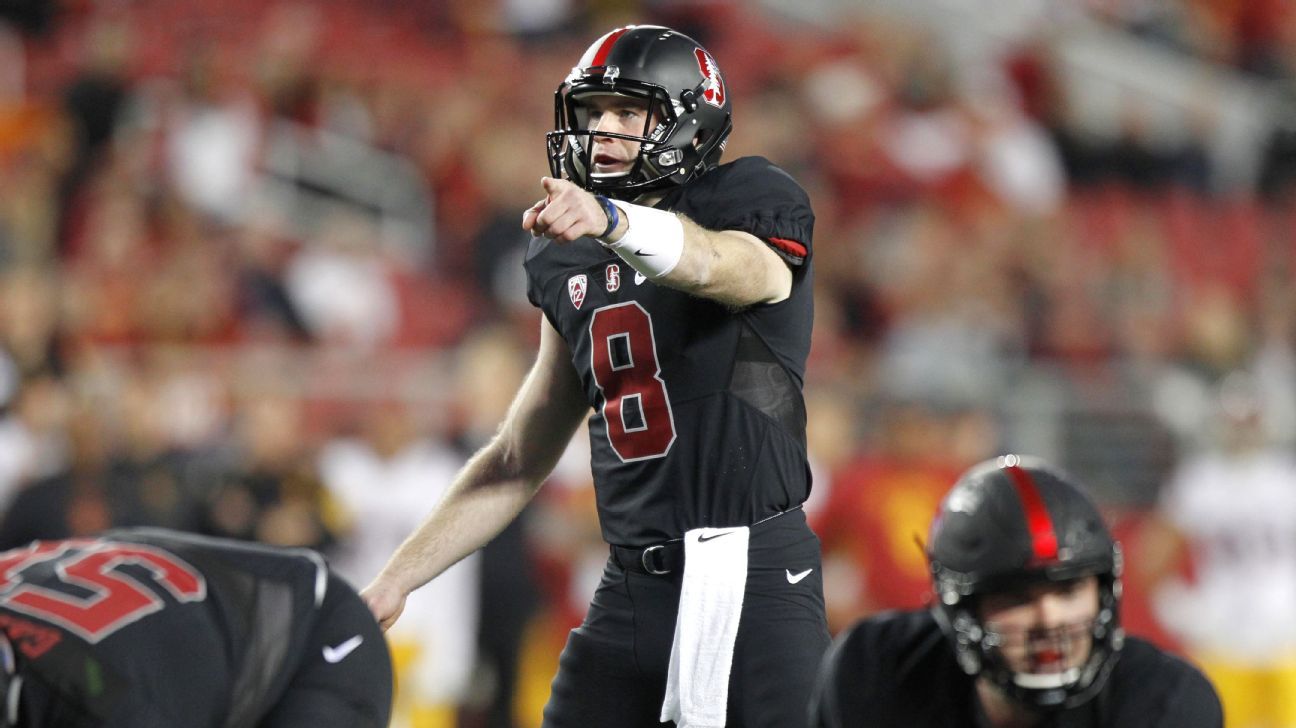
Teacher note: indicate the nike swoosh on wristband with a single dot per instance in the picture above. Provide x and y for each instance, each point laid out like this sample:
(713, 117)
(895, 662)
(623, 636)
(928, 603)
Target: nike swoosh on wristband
(643, 254)
(794, 578)
(337, 654)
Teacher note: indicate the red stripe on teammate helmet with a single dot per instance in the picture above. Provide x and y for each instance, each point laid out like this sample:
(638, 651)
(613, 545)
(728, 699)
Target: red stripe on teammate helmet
(790, 247)
(1043, 537)
(600, 56)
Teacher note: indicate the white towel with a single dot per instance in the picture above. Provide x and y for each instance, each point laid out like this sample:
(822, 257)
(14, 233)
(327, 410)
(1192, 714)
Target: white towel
(711, 599)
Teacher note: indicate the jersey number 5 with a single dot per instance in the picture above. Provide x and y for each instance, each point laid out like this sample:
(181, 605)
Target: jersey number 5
(99, 599)
(636, 409)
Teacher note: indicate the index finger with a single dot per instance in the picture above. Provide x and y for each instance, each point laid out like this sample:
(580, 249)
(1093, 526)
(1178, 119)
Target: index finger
(553, 184)
(531, 213)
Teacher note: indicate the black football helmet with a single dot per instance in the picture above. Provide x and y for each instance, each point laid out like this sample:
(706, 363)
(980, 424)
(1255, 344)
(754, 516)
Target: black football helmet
(1011, 522)
(686, 96)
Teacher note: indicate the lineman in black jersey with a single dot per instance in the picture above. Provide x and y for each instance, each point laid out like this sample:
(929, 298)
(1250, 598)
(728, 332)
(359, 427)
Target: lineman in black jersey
(677, 305)
(1026, 631)
(147, 628)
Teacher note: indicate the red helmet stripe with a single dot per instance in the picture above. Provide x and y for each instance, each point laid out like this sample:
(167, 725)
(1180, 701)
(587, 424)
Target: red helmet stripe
(1043, 537)
(600, 56)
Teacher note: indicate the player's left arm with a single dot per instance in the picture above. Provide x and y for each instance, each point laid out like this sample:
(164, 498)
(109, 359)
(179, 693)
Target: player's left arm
(729, 266)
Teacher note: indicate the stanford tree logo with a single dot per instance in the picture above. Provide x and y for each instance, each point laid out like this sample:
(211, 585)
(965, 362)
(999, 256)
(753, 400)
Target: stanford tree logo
(715, 87)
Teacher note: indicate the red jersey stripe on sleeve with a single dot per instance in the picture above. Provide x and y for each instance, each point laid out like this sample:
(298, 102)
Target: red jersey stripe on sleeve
(791, 247)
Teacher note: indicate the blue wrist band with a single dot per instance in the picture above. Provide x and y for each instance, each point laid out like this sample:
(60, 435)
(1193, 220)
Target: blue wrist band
(613, 215)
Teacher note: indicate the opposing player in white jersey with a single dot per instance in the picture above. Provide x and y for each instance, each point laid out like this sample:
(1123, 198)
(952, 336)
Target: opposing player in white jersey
(1231, 511)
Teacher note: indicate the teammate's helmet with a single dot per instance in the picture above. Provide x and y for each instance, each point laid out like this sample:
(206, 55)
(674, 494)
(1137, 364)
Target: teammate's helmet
(686, 97)
(1015, 521)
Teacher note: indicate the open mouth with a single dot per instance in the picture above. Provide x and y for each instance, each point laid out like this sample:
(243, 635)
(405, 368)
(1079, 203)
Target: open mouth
(1049, 660)
(608, 165)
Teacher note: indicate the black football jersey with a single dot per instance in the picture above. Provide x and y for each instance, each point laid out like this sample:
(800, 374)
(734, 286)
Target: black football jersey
(698, 414)
(169, 629)
(897, 670)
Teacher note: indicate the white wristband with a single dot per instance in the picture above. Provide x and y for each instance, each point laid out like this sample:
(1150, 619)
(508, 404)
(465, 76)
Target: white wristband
(654, 240)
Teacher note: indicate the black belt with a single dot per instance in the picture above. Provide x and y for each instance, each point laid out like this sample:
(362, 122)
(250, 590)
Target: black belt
(666, 557)
(659, 559)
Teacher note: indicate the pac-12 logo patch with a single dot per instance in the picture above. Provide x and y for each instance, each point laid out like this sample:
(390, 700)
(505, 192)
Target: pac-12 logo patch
(612, 274)
(715, 87)
(576, 289)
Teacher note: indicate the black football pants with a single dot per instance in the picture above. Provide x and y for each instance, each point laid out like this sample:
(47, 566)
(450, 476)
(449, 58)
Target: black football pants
(612, 673)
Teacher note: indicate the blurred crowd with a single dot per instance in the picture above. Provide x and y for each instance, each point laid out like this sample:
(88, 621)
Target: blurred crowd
(260, 277)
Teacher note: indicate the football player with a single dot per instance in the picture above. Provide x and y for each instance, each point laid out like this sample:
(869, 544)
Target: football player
(146, 628)
(1025, 631)
(677, 307)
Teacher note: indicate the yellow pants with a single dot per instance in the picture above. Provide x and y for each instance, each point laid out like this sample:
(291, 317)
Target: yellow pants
(408, 711)
(1254, 696)
(542, 643)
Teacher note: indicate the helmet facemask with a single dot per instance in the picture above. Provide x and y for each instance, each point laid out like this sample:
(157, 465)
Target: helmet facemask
(1063, 679)
(571, 146)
